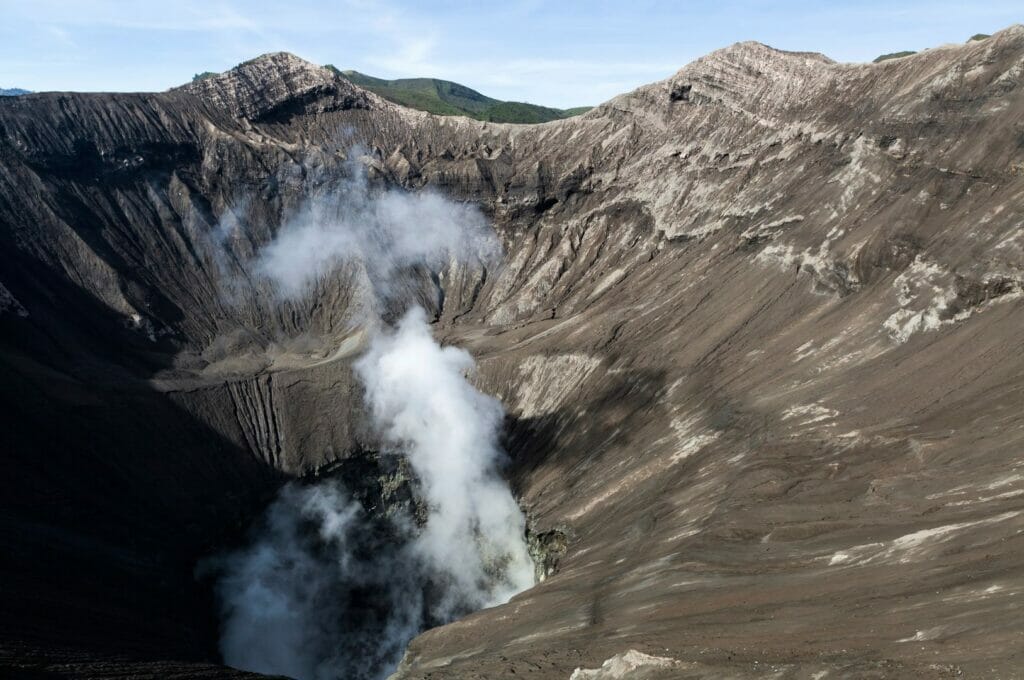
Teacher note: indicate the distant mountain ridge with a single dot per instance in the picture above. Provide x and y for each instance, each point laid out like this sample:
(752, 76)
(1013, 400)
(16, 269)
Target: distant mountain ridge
(13, 92)
(446, 98)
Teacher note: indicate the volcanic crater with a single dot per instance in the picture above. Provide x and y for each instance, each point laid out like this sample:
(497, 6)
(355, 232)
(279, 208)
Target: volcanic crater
(756, 329)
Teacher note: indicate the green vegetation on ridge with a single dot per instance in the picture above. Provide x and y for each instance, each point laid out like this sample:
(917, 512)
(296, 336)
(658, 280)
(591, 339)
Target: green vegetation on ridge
(445, 98)
(893, 55)
(906, 53)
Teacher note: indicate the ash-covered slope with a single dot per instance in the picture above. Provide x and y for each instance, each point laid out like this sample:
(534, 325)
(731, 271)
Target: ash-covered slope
(758, 327)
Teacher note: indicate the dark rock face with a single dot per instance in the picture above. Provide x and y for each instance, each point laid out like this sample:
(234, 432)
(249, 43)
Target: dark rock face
(757, 329)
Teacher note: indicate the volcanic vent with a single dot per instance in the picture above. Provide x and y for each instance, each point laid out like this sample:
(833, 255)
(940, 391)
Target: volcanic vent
(335, 587)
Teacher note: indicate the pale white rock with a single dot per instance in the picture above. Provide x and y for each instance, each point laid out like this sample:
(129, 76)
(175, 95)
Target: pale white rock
(629, 664)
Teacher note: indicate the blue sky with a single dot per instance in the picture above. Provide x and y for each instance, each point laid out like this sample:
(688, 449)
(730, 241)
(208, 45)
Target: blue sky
(556, 53)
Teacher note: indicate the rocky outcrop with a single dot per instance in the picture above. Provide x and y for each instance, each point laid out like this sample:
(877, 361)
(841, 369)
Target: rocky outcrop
(277, 87)
(757, 329)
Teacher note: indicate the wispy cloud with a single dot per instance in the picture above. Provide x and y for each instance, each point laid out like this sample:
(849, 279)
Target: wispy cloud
(61, 35)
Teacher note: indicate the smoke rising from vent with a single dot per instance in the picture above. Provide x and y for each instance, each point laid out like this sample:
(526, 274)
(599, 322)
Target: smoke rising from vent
(330, 587)
(419, 396)
(322, 592)
(339, 244)
(383, 232)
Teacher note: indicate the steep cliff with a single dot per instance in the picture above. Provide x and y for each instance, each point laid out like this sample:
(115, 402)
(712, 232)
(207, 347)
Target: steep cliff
(757, 327)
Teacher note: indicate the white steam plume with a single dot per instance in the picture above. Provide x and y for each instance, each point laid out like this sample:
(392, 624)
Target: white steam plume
(383, 230)
(419, 396)
(323, 592)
